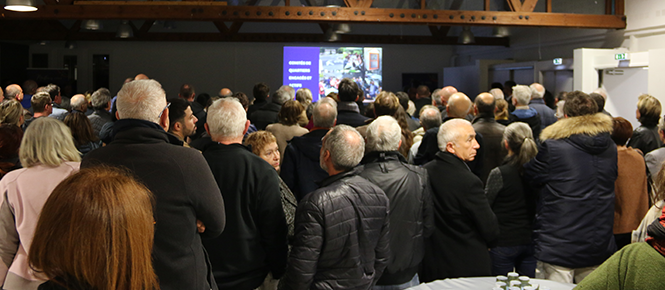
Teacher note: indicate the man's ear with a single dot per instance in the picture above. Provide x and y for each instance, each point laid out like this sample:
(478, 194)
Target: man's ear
(164, 120)
(450, 147)
(117, 116)
(177, 126)
(475, 110)
(246, 127)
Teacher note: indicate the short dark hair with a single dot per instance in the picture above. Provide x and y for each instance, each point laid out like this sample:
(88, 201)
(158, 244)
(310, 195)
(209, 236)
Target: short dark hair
(53, 90)
(177, 110)
(39, 101)
(600, 101)
(485, 108)
(347, 90)
(290, 112)
(204, 99)
(496, 85)
(579, 104)
(242, 98)
(386, 104)
(403, 100)
(623, 130)
(187, 90)
(261, 91)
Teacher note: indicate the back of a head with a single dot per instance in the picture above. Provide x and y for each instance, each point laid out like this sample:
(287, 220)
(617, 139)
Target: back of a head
(501, 110)
(450, 131)
(622, 131)
(304, 96)
(11, 112)
(187, 91)
(110, 246)
(403, 100)
(49, 142)
(600, 101)
(497, 93)
(496, 85)
(101, 99)
(521, 142)
(458, 105)
(81, 128)
(423, 91)
(601, 91)
(177, 111)
(77, 102)
(324, 113)
(579, 104)
(649, 108)
(383, 134)
(242, 98)
(290, 112)
(204, 100)
(346, 147)
(347, 90)
(10, 141)
(290, 90)
(53, 90)
(261, 91)
(39, 101)
(436, 96)
(226, 119)
(537, 91)
(141, 99)
(522, 94)
(485, 103)
(386, 103)
(30, 87)
(430, 117)
(11, 91)
(281, 96)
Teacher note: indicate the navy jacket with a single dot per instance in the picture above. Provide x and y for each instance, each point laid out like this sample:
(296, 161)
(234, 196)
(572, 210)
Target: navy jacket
(300, 168)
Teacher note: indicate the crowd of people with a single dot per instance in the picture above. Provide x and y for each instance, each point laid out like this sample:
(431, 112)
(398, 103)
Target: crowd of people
(275, 191)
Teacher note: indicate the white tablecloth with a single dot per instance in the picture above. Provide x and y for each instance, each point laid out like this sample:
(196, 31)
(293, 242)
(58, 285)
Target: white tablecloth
(483, 283)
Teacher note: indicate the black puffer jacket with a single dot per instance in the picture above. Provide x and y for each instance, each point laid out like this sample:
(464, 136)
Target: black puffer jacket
(341, 238)
(409, 193)
(645, 138)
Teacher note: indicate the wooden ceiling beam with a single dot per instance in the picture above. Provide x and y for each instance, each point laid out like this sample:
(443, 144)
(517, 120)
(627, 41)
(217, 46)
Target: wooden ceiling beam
(185, 12)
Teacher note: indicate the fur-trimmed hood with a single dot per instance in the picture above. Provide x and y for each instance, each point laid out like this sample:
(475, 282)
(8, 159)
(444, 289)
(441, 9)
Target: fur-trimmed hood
(590, 125)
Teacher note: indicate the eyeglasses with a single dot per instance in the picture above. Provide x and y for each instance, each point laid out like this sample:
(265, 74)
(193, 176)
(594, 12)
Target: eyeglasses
(167, 106)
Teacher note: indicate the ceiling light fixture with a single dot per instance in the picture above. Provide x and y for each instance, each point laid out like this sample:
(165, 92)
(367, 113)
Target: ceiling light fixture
(20, 5)
(500, 31)
(92, 24)
(466, 37)
(125, 30)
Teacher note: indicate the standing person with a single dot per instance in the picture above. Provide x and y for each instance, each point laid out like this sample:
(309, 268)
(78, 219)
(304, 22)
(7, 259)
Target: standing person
(407, 188)
(492, 132)
(547, 115)
(513, 202)
(252, 250)
(182, 121)
(288, 126)
(104, 247)
(48, 154)
(341, 239)
(631, 195)
(575, 170)
(268, 114)
(465, 225)
(348, 111)
(261, 93)
(184, 187)
(523, 112)
(645, 137)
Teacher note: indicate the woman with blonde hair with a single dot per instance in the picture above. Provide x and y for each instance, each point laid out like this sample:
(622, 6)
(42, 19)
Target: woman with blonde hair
(645, 137)
(11, 112)
(95, 232)
(48, 154)
(288, 126)
(501, 115)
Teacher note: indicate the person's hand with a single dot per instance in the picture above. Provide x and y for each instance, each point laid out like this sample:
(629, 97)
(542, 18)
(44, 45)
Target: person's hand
(200, 227)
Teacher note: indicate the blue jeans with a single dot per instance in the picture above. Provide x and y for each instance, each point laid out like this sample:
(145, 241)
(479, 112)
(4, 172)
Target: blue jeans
(414, 282)
(520, 258)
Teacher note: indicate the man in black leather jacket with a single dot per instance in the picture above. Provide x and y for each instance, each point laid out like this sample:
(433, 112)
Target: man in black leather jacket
(341, 231)
(409, 193)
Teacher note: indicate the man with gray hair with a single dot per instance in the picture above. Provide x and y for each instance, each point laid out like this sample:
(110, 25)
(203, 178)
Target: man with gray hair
(267, 114)
(465, 226)
(253, 249)
(79, 103)
(408, 190)
(547, 115)
(101, 103)
(341, 235)
(300, 166)
(186, 195)
(430, 117)
(523, 113)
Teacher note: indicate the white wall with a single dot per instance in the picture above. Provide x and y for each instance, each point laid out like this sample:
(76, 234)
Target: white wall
(210, 66)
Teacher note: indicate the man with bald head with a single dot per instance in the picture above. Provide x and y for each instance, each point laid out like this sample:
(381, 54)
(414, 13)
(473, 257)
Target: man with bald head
(79, 103)
(225, 93)
(465, 226)
(484, 123)
(547, 115)
(14, 92)
(140, 77)
(444, 95)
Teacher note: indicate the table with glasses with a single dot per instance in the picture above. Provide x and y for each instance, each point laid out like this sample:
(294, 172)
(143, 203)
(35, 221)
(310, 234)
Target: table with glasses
(484, 283)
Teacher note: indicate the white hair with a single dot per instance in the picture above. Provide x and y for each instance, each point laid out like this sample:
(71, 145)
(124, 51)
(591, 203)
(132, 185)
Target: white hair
(383, 134)
(497, 93)
(450, 132)
(430, 117)
(290, 90)
(226, 119)
(100, 98)
(522, 94)
(346, 147)
(281, 96)
(141, 99)
(77, 102)
(535, 92)
(324, 113)
(436, 96)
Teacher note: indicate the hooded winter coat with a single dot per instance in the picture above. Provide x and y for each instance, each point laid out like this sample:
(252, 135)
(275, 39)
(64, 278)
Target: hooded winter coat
(576, 168)
(529, 116)
(300, 166)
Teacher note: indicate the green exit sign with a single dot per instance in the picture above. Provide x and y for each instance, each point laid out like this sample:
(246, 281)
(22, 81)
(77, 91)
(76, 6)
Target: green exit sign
(621, 56)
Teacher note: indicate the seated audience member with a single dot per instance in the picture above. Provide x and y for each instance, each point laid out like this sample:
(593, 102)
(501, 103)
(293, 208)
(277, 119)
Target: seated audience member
(636, 266)
(514, 204)
(524, 113)
(341, 239)
(11, 113)
(49, 156)
(655, 158)
(492, 132)
(645, 137)
(42, 106)
(301, 169)
(101, 104)
(654, 212)
(264, 145)
(79, 103)
(288, 126)
(107, 245)
(547, 115)
(267, 114)
(409, 194)
(261, 93)
(58, 111)
(575, 171)
(184, 188)
(348, 112)
(14, 92)
(84, 139)
(630, 189)
(430, 117)
(253, 248)
(10, 141)
(182, 121)
(465, 225)
(29, 89)
(501, 115)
